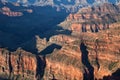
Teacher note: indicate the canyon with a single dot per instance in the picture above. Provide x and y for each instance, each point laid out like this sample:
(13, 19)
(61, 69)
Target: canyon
(101, 52)
(92, 19)
(35, 45)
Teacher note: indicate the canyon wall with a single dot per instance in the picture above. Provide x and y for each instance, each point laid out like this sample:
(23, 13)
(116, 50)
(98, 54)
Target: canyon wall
(68, 57)
(92, 19)
(17, 65)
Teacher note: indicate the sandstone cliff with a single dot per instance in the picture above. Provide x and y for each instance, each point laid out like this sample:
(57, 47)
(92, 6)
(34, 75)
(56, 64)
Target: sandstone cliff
(20, 65)
(83, 56)
(100, 52)
(17, 65)
(92, 19)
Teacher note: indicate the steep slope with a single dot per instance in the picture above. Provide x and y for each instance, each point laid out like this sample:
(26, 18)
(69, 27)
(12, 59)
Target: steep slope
(17, 65)
(98, 52)
(91, 53)
(92, 19)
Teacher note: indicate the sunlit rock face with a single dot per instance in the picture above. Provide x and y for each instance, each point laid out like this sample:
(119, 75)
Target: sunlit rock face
(92, 51)
(92, 19)
(17, 63)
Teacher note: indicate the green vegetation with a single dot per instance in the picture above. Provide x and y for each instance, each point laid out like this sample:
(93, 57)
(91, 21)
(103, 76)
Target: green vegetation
(74, 48)
(65, 59)
(89, 48)
(77, 42)
(112, 65)
(12, 76)
(30, 72)
(93, 62)
(18, 77)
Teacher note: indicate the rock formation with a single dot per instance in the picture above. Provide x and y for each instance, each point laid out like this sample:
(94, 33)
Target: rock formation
(92, 53)
(102, 51)
(17, 65)
(5, 9)
(92, 19)
(68, 5)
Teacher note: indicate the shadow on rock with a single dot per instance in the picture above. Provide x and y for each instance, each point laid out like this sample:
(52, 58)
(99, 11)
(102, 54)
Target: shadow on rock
(89, 72)
(114, 76)
(50, 49)
(41, 64)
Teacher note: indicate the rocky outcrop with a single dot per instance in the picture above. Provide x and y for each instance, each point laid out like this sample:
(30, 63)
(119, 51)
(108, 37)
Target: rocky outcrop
(17, 65)
(8, 12)
(68, 5)
(96, 49)
(41, 43)
(61, 39)
(112, 76)
(66, 57)
(103, 8)
(80, 27)
(100, 52)
(92, 19)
